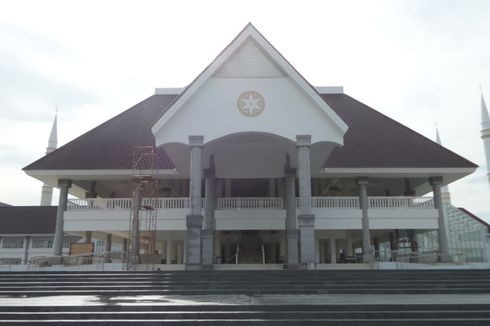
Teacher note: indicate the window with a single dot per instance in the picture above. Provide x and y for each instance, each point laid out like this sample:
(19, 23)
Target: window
(13, 243)
(42, 243)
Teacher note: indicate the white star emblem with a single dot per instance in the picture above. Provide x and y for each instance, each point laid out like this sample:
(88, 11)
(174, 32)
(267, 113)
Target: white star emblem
(251, 103)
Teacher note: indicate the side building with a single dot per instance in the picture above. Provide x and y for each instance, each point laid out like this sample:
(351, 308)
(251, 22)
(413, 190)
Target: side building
(27, 232)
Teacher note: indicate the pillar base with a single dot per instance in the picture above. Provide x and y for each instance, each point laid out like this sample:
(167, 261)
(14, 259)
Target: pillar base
(193, 240)
(292, 245)
(208, 247)
(306, 224)
(193, 267)
(446, 258)
(368, 258)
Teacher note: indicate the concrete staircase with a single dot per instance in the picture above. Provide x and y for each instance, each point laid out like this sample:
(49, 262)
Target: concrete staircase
(248, 315)
(119, 298)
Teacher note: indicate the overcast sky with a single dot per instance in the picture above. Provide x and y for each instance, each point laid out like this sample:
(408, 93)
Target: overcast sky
(419, 62)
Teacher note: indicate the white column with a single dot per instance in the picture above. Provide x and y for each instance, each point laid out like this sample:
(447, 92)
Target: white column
(168, 249)
(485, 133)
(209, 221)
(108, 247)
(46, 195)
(134, 256)
(194, 221)
(333, 251)
(349, 251)
(179, 253)
(64, 185)
(27, 244)
(367, 254)
(291, 227)
(436, 182)
(306, 219)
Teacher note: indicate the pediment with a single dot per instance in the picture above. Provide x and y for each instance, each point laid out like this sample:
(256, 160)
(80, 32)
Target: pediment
(248, 69)
(249, 61)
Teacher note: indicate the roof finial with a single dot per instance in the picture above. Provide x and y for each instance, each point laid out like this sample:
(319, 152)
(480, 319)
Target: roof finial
(438, 138)
(53, 136)
(485, 118)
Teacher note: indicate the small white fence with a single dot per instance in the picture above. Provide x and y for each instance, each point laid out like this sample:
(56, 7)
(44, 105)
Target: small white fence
(401, 202)
(250, 203)
(334, 202)
(126, 203)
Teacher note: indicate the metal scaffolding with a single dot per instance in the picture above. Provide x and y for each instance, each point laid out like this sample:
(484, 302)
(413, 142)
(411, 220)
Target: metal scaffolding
(143, 213)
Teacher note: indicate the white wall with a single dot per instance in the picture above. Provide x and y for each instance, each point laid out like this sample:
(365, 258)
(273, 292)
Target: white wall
(256, 219)
(215, 104)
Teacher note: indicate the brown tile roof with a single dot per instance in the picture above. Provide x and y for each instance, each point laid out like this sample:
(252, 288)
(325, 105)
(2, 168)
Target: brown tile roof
(373, 140)
(110, 145)
(27, 219)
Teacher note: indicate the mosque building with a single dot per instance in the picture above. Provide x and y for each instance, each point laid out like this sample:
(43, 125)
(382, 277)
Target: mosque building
(251, 165)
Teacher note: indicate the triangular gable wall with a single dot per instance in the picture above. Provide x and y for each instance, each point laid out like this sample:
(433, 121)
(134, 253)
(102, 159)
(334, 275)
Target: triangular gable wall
(249, 62)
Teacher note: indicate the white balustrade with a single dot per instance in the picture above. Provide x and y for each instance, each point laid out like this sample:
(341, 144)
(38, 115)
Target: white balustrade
(250, 203)
(166, 203)
(401, 202)
(335, 202)
(125, 203)
(98, 203)
(374, 202)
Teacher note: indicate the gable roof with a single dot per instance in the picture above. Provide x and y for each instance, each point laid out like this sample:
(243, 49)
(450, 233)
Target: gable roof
(249, 32)
(373, 140)
(27, 219)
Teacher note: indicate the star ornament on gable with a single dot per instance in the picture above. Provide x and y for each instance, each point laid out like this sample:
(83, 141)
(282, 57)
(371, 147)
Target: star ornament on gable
(251, 103)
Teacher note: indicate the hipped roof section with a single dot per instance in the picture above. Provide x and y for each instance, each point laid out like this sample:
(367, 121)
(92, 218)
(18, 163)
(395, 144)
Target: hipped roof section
(372, 141)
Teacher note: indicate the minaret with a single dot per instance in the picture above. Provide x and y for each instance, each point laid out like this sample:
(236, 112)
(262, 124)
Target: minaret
(446, 196)
(47, 191)
(485, 132)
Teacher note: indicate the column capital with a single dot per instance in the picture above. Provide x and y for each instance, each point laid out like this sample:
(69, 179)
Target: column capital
(362, 180)
(435, 181)
(196, 141)
(303, 140)
(64, 183)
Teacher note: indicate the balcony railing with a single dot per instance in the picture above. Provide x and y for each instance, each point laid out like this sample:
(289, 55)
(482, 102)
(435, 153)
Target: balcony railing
(335, 202)
(401, 202)
(125, 203)
(250, 203)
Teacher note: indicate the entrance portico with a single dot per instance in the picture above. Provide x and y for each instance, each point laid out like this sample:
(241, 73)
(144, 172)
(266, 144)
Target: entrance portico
(260, 101)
